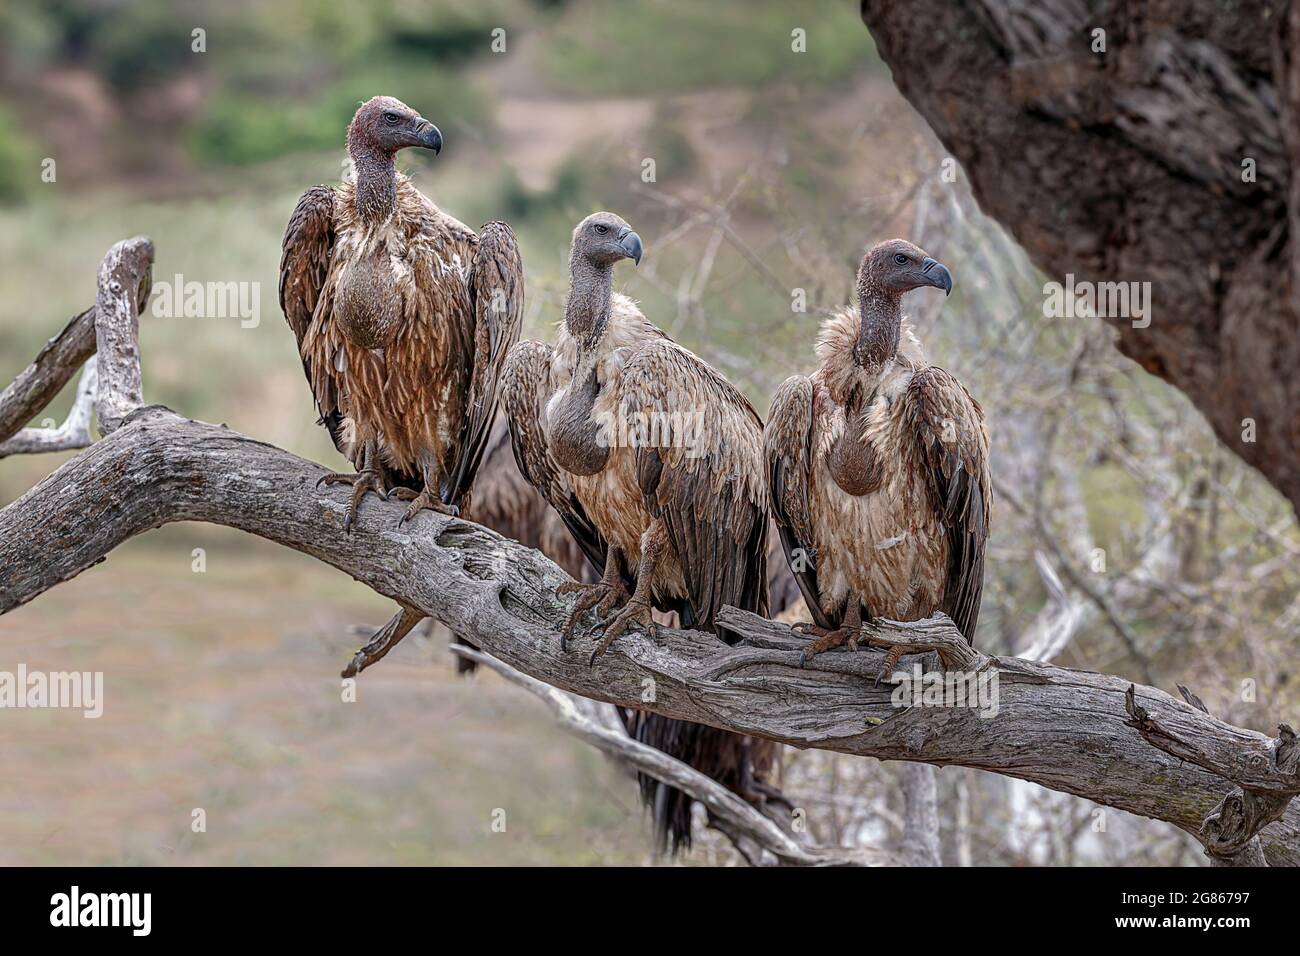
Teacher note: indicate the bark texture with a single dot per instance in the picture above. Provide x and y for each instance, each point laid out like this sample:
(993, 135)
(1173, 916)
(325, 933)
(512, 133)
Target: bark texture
(1129, 165)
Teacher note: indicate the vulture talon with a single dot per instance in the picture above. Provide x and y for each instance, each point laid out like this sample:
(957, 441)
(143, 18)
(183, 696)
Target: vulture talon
(828, 639)
(365, 480)
(612, 601)
(637, 612)
(589, 596)
(425, 500)
(608, 593)
(383, 641)
(891, 661)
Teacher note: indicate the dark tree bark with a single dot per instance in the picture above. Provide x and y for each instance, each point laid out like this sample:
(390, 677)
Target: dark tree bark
(1127, 165)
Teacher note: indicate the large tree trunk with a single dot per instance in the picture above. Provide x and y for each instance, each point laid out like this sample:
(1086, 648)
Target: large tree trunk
(1127, 165)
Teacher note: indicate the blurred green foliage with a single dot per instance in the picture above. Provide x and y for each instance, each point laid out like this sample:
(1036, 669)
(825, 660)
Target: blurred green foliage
(277, 78)
(19, 164)
(713, 44)
(282, 78)
(242, 127)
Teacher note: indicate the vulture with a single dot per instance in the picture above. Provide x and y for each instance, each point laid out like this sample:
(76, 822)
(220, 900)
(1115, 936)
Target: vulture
(403, 317)
(673, 525)
(504, 501)
(878, 468)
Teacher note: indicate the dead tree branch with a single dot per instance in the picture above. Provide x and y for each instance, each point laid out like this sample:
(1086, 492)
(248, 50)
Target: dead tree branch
(36, 386)
(73, 433)
(111, 328)
(125, 277)
(1267, 777)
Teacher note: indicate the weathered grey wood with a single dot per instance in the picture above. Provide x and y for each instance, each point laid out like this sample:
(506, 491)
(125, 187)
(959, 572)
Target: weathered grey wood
(110, 326)
(73, 433)
(36, 385)
(125, 277)
(1267, 778)
(1273, 766)
(1065, 729)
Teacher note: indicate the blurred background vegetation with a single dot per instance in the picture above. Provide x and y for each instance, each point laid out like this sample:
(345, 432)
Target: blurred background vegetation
(773, 169)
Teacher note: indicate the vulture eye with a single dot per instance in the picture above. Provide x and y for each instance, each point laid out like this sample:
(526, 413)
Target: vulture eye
(901, 259)
(392, 119)
(601, 229)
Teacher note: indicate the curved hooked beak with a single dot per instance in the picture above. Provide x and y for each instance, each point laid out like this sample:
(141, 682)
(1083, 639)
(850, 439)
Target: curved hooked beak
(936, 274)
(428, 135)
(630, 243)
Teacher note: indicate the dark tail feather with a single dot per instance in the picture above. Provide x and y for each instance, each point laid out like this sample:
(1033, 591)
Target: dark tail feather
(715, 753)
(735, 761)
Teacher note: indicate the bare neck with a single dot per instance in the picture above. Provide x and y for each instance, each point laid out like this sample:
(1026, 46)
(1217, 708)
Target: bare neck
(586, 313)
(376, 191)
(881, 318)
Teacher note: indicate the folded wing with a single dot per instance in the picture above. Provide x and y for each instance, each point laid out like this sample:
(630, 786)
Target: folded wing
(951, 450)
(526, 387)
(787, 448)
(305, 257)
(702, 474)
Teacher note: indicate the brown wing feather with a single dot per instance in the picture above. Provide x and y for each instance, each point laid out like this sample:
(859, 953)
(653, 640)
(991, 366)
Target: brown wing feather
(953, 454)
(497, 292)
(712, 496)
(526, 386)
(787, 447)
(306, 251)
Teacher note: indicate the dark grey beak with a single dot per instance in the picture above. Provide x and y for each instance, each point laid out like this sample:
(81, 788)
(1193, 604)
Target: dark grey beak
(631, 245)
(429, 135)
(937, 275)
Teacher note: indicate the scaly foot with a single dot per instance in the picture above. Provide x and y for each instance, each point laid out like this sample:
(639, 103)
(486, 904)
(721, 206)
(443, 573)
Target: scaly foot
(891, 661)
(424, 500)
(637, 614)
(383, 641)
(602, 595)
(850, 635)
(826, 639)
(367, 479)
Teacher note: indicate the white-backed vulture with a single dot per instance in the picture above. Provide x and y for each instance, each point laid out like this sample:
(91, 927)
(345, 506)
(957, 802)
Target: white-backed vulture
(403, 318)
(680, 520)
(503, 500)
(879, 467)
